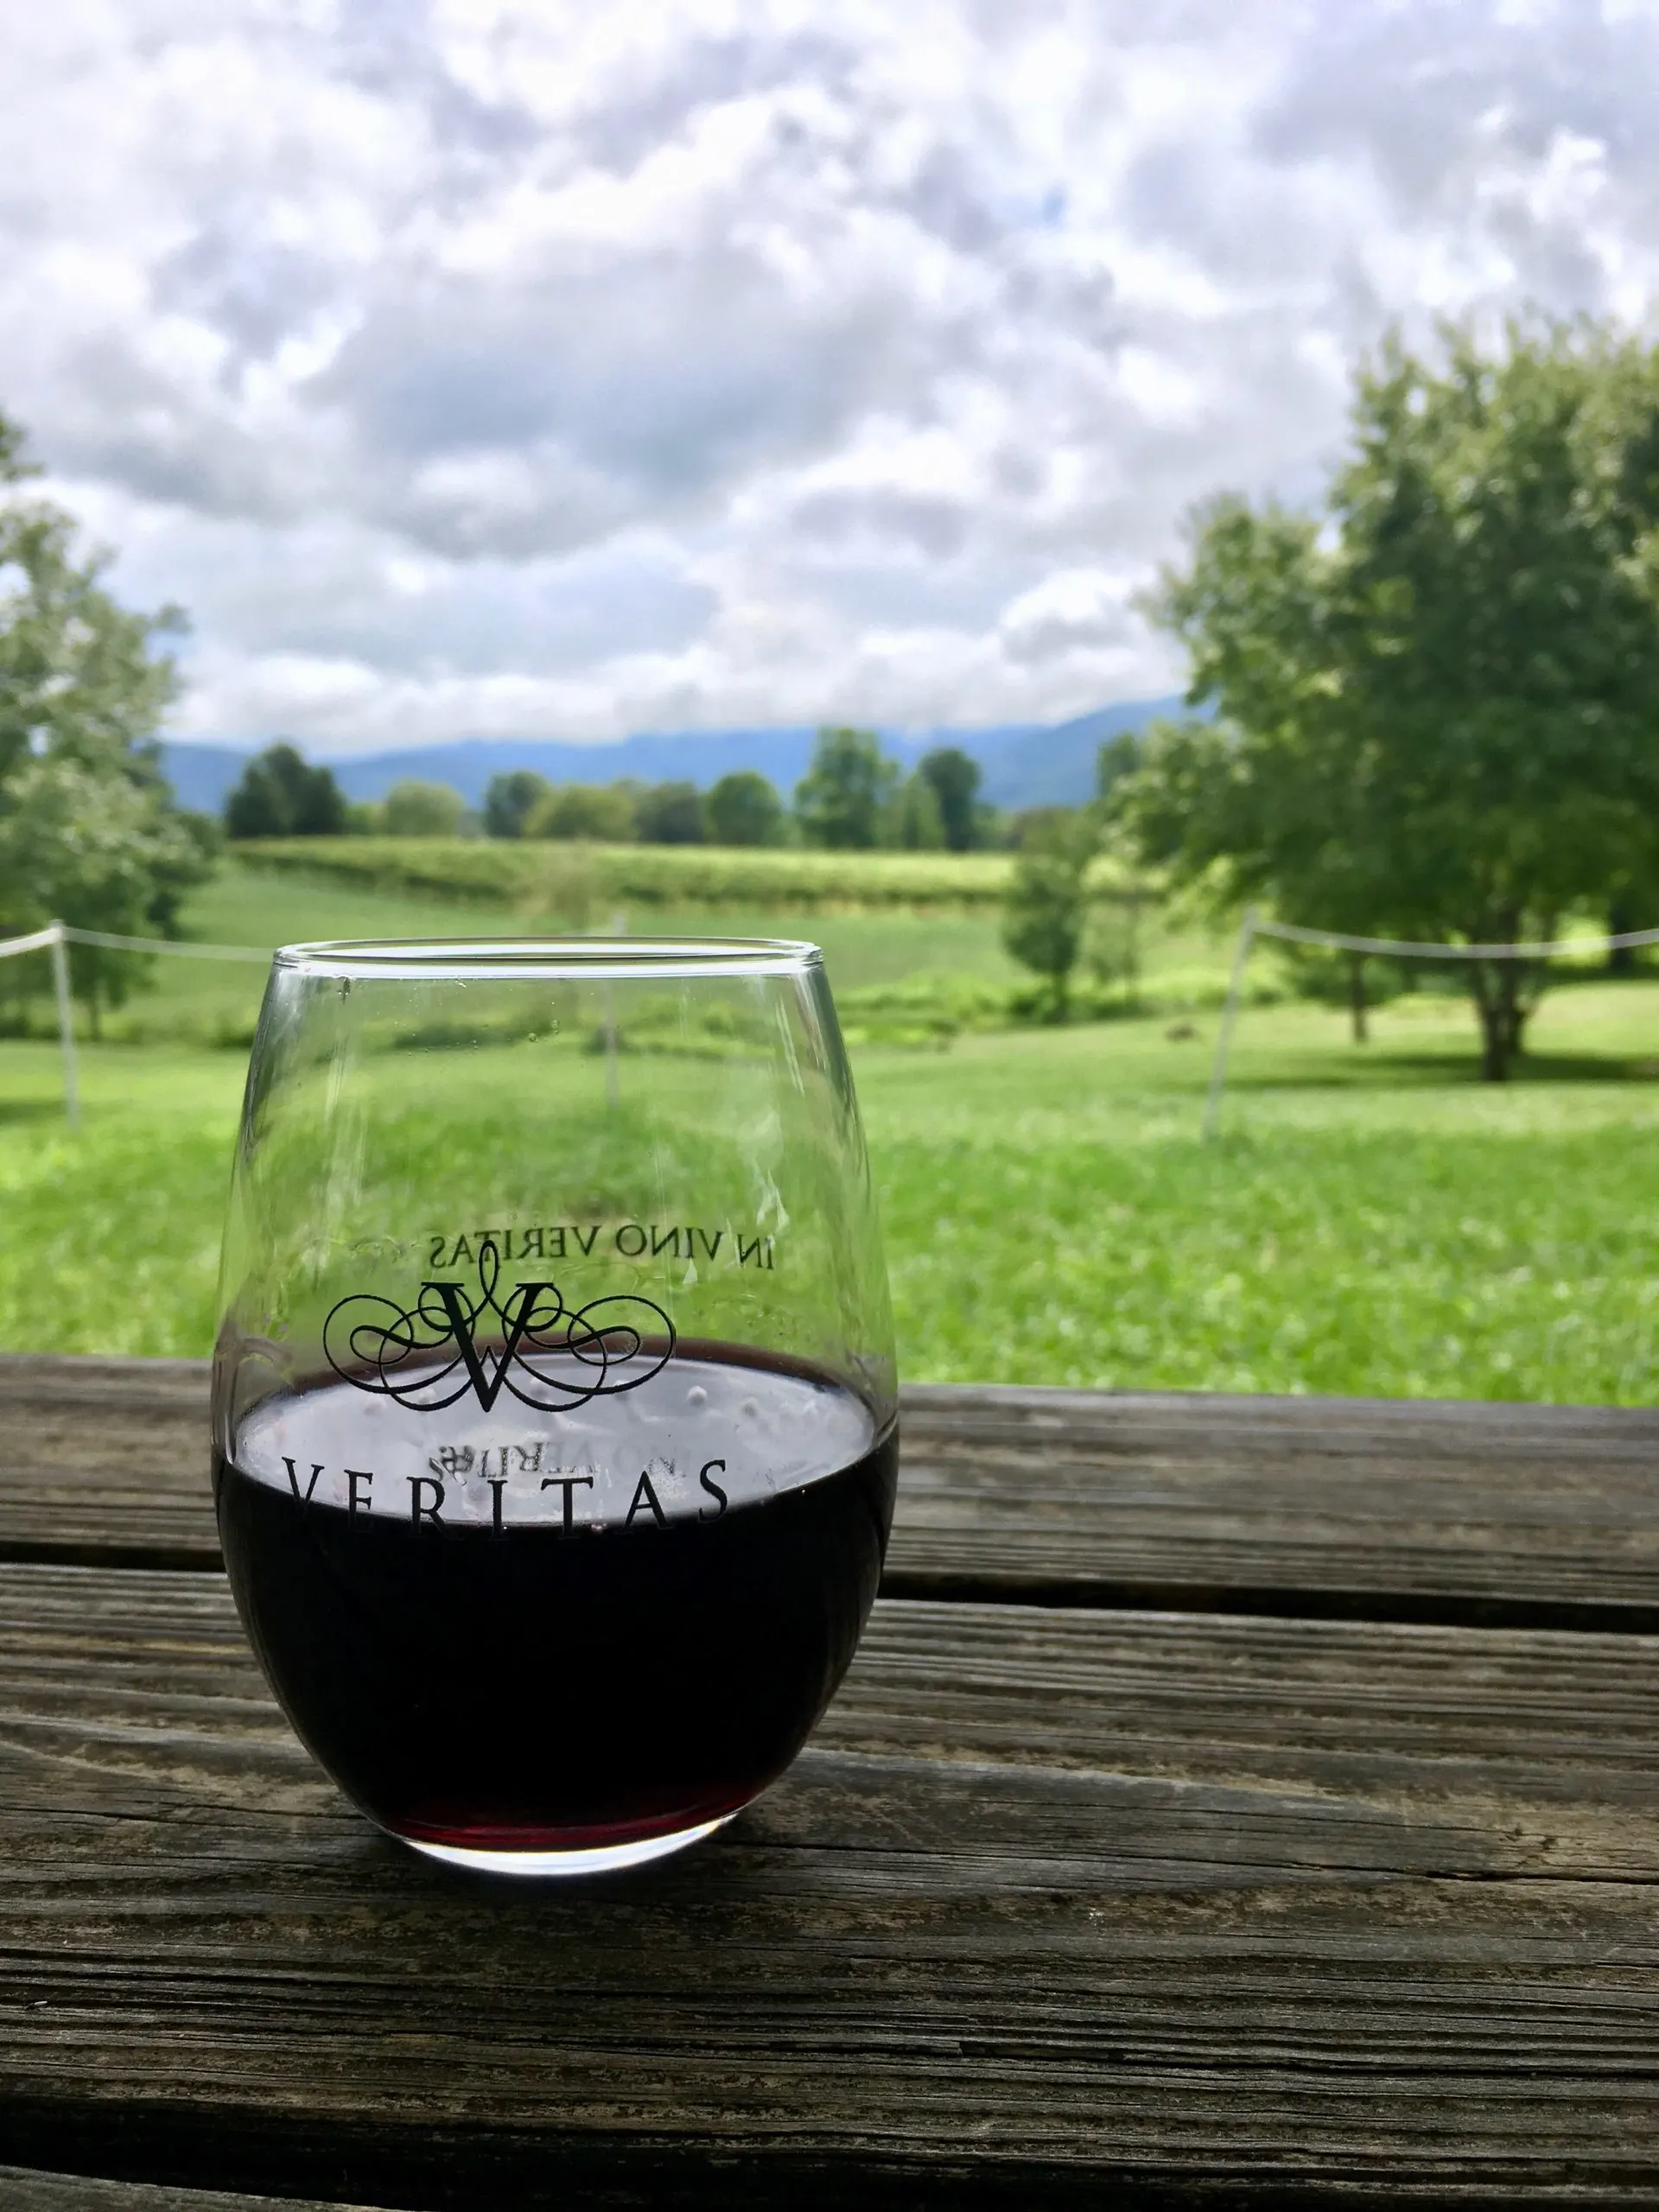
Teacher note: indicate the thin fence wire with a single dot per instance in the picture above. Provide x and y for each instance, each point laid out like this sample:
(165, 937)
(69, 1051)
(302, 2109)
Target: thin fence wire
(1405, 949)
(164, 945)
(57, 936)
(1254, 926)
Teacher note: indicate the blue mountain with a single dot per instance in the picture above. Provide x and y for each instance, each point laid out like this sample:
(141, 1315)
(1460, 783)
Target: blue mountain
(1026, 764)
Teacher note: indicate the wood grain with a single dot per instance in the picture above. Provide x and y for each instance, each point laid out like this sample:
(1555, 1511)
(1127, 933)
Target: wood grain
(24, 2190)
(1058, 1905)
(1519, 1515)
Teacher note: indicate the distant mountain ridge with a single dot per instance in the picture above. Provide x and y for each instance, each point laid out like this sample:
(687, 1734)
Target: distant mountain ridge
(1026, 764)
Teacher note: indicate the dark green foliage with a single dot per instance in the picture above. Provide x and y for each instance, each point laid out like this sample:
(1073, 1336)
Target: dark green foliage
(1437, 702)
(511, 800)
(671, 814)
(843, 799)
(744, 808)
(1118, 757)
(280, 795)
(954, 779)
(1047, 908)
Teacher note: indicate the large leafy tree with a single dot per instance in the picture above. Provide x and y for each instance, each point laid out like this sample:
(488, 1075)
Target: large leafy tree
(845, 800)
(511, 800)
(281, 795)
(954, 778)
(672, 813)
(1045, 911)
(1435, 702)
(89, 833)
(917, 824)
(744, 808)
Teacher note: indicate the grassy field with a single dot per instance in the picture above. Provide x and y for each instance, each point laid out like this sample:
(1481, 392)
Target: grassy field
(1372, 1221)
(906, 974)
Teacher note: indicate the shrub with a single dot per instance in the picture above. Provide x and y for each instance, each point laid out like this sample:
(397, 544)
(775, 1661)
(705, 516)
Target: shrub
(511, 800)
(671, 814)
(744, 808)
(601, 812)
(412, 809)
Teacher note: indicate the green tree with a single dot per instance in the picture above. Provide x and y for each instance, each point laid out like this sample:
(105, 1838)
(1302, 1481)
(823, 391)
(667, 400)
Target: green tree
(601, 813)
(744, 808)
(843, 800)
(89, 833)
(280, 795)
(671, 814)
(1435, 698)
(511, 800)
(79, 676)
(104, 853)
(414, 808)
(1118, 757)
(1046, 908)
(954, 778)
(918, 824)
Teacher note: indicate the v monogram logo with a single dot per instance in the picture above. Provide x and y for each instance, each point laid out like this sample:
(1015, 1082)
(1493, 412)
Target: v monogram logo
(515, 1316)
(551, 1357)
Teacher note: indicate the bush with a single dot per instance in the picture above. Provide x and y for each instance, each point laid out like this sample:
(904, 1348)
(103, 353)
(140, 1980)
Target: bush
(511, 800)
(671, 814)
(744, 808)
(412, 809)
(600, 812)
(279, 795)
(1047, 904)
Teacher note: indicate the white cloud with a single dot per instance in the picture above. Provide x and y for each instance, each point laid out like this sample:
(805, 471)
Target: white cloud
(504, 366)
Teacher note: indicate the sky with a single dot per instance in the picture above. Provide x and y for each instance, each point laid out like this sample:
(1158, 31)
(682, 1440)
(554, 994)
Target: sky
(511, 367)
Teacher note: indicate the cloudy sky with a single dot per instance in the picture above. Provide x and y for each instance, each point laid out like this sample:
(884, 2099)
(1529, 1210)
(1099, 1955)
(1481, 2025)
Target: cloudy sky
(513, 367)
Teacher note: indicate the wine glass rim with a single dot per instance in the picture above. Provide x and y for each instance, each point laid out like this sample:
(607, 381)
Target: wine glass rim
(544, 959)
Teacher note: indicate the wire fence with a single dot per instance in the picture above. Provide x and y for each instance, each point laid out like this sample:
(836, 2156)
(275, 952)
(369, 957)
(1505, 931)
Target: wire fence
(57, 935)
(1255, 924)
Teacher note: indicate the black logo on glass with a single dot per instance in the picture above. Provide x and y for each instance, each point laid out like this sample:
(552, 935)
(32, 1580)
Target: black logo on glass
(528, 1343)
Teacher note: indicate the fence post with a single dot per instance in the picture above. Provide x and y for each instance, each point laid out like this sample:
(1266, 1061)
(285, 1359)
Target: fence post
(65, 1026)
(1228, 1016)
(613, 1072)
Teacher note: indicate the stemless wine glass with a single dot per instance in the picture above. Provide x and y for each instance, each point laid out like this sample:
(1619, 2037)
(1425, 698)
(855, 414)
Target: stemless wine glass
(554, 1425)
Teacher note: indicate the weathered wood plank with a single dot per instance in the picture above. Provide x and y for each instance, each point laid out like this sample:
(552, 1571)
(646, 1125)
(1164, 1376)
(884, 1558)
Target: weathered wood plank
(1260, 1911)
(1524, 1515)
(1519, 1515)
(105, 1459)
(24, 2190)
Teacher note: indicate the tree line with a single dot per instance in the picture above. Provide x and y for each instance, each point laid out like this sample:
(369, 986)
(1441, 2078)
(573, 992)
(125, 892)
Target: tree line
(1424, 705)
(854, 797)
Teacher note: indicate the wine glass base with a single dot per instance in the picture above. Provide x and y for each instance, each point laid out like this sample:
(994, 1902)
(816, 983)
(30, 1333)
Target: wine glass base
(608, 1859)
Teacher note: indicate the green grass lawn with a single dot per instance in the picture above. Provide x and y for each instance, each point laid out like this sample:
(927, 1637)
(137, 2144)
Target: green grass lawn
(902, 975)
(195, 1001)
(1371, 1221)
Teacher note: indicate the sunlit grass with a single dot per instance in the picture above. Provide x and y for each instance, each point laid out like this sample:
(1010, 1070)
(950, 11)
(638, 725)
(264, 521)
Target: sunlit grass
(1371, 1221)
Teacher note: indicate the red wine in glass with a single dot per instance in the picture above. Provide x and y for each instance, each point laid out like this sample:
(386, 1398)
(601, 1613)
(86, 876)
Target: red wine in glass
(568, 1638)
